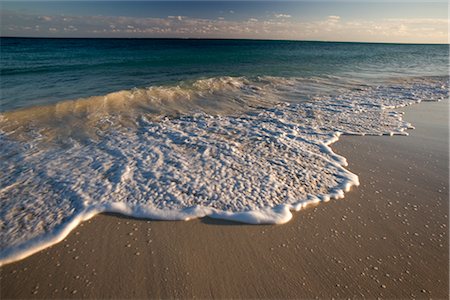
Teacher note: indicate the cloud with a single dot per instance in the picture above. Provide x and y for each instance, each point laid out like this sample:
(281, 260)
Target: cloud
(45, 18)
(334, 18)
(419, 21)
(282, 16)
(70, 28)
(179, 18)
(331, 28)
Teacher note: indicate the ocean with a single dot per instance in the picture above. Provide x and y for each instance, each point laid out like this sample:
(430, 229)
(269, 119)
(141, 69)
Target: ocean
(179, 129)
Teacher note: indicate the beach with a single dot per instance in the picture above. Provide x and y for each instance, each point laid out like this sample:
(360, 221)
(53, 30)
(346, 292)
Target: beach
(387, 238)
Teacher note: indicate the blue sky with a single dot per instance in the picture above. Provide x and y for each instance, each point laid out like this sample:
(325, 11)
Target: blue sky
(383, 21)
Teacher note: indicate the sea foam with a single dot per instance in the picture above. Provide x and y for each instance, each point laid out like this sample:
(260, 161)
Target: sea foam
(232, 148)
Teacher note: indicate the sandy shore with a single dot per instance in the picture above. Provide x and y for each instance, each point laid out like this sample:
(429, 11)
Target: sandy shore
(387, 238)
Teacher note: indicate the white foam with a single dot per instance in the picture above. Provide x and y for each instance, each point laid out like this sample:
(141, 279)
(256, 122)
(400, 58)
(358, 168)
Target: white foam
(253, 168)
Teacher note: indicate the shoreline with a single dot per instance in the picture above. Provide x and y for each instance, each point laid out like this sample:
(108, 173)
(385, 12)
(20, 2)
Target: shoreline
(309, 256)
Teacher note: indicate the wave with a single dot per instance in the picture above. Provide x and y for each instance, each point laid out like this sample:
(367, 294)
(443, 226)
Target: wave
(233, 148)
(218, 95)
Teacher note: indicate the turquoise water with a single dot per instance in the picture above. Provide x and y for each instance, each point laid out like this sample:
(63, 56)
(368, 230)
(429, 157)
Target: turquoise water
(183, 129)
(42, 71)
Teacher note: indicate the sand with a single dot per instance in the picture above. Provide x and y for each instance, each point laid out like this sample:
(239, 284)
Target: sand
(387, 238)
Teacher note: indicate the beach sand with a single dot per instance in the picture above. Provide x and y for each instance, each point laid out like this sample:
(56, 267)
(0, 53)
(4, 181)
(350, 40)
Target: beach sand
(387, 238)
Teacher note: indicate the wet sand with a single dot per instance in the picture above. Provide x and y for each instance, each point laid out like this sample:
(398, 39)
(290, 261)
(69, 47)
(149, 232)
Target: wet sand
(387, 238)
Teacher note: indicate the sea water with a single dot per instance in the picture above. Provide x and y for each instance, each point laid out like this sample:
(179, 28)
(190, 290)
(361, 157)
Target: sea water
(181, 129)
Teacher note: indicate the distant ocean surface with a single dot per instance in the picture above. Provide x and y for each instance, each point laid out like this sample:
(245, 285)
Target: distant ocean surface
(43, 71)
(181, 129)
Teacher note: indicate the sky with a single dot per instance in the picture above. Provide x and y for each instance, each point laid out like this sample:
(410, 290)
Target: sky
(357, 21)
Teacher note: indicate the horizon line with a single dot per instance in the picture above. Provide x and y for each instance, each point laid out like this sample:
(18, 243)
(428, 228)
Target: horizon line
(218, 39)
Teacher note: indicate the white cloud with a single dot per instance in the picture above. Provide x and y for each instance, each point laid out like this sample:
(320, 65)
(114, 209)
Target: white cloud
(419, 21)
(70, 28)
(334, 18)
(282, 16)
(329, 28)
(179, 18)
(45, 18)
